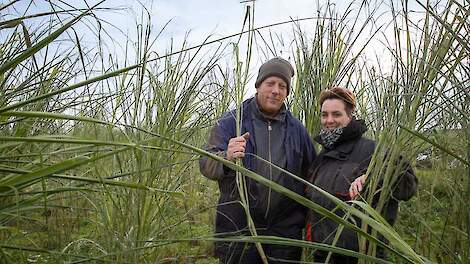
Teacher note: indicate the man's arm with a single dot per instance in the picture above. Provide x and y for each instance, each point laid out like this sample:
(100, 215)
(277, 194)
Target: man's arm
(235, 148)
(210, 168)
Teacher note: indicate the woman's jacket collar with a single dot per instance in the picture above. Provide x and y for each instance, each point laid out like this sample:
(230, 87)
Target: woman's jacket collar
(345, 143)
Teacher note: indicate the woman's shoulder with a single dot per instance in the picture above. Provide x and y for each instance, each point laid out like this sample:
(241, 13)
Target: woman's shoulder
(365, 144)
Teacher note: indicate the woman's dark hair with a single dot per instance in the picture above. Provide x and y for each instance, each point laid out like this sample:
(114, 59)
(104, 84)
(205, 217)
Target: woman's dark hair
(342, 94)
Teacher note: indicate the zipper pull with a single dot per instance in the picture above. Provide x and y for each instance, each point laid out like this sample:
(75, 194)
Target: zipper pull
(269, 126)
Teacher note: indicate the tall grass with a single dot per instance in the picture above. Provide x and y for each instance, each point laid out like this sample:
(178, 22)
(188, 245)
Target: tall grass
(425, 92)
(97, 156)
(327, 54)
(126, 191)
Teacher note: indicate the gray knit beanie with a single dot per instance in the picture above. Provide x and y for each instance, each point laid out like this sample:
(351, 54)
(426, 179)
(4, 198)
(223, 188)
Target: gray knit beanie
(278, 67)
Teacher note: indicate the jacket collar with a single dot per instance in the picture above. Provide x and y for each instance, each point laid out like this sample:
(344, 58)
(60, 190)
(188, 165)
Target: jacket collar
(340, 152)
(345, 144)
(280, 116)
(351, 132)
(247, 125)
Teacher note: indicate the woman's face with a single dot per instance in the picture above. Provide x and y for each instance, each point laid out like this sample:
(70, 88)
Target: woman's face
(333, 114)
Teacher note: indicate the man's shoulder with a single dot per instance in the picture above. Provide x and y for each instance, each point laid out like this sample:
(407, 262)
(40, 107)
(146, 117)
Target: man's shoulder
(292, 118)
(294, 121)
(231, 115)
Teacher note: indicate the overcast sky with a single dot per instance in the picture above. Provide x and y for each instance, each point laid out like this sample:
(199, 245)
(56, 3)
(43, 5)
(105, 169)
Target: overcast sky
(216, 18)
(199, 19)
(220, 18)
(203, 18)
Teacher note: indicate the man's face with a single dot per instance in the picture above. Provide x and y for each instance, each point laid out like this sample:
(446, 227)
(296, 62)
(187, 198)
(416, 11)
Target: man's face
(271, 94)
(333, 114)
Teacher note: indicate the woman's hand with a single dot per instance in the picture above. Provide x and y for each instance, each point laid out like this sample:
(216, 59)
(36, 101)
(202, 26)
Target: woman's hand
(356, 186)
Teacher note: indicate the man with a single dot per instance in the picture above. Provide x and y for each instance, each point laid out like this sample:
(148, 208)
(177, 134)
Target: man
(271, 132)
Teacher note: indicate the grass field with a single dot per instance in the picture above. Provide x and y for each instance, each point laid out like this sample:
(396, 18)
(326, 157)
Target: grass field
(98, 152)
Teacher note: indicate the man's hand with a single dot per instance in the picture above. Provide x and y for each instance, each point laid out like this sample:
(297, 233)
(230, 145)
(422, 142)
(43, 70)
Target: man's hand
(356, 186)
(236, 147)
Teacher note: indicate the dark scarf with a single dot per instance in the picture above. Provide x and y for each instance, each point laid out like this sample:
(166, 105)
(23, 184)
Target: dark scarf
(331, 138)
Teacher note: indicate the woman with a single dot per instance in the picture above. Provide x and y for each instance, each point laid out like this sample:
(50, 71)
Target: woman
(340, 168)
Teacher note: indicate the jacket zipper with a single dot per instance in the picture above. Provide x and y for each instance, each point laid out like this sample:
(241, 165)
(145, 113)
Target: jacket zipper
(270, 168)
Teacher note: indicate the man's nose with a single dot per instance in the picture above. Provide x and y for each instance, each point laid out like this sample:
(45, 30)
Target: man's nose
(275, 89)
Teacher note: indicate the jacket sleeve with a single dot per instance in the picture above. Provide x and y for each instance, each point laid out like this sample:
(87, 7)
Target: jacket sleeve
(217, 144)
(406, 185)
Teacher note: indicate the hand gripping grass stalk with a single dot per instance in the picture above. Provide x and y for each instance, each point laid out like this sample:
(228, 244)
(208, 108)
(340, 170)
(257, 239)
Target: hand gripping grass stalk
(240, 82)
